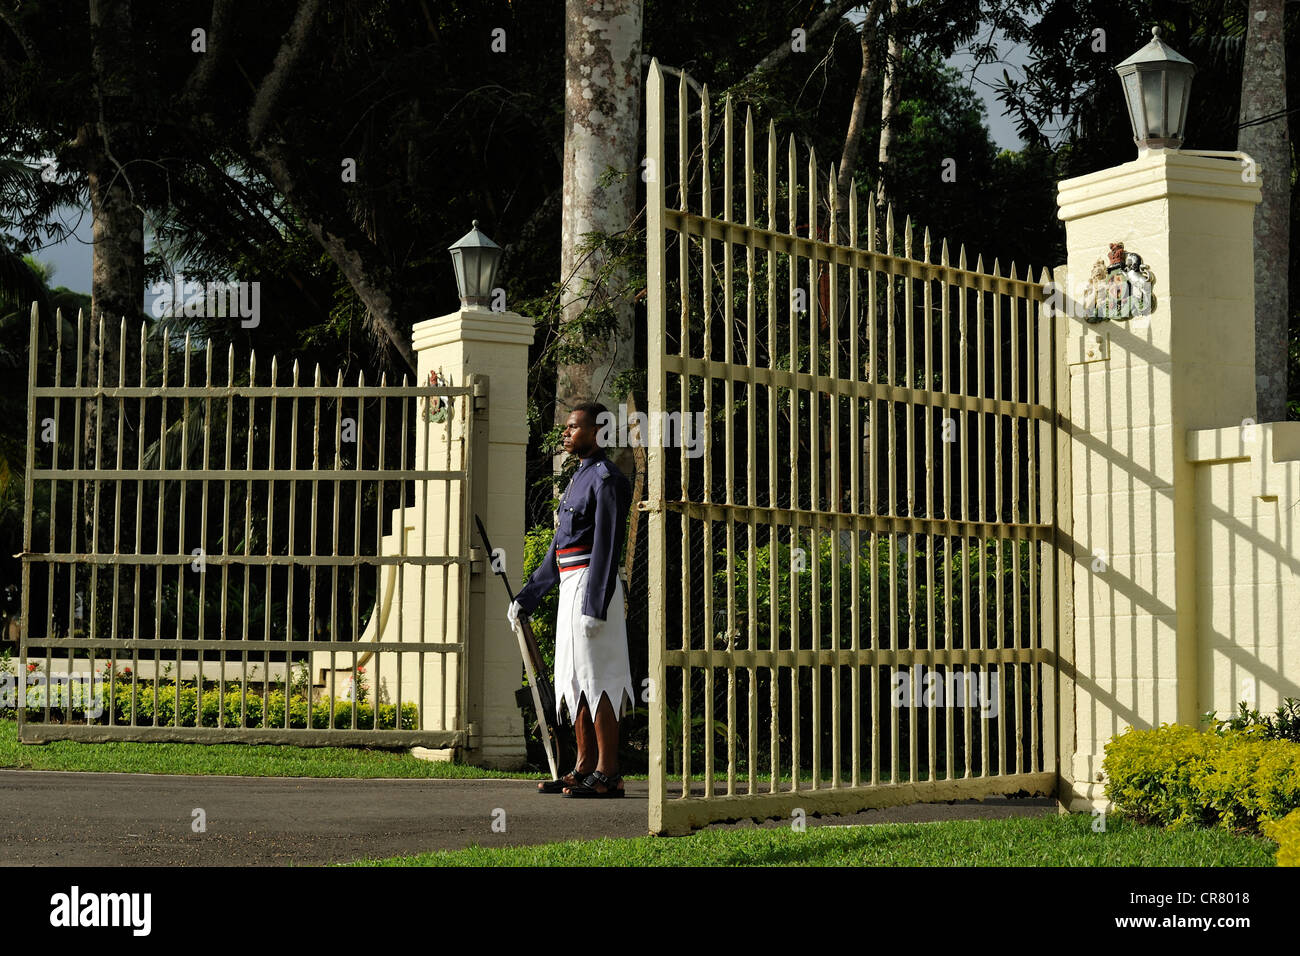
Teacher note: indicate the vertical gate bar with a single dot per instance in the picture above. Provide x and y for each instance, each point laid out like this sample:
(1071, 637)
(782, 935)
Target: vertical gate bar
(406, 401)
(74, 515)
(356, 558)
(203, 506)
(334, 568)
(180, 544)
(751, 645)
(773, 500)
(909, 372)
(657, 387)
(834, 483)
(225, 531)
(1032, 477)
(684, 403)
(203, 529)
(92, 605)
(967, 612)
(728, 357)
(873, 481)
(706, 211)
(245, 618)
(54, 484)
(162, 494)
(462, 550)
(815, 467)
(25, 621)
(180, 532)
(293, 524)
(139, 516)
(1046, 467)
(356, 528)
(999, 508)
(117, 491)
(117, 502)
(270, 524)
(445, 571)
(945, 365)
(463, 569)
(313, 632)
(792, 174)
(891, 451)
(855, 496)
(1016, 622)
(931, 541)
(399, 534)
(980, 354)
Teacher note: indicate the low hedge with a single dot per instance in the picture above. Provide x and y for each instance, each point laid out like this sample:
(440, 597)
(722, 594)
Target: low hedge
(1287, 834)
(258, 711)
(1178, 776)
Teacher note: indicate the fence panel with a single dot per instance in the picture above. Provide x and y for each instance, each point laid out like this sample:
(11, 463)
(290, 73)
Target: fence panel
(205, 550)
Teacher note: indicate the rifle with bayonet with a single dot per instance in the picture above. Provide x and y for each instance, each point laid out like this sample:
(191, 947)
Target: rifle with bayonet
(543, 692)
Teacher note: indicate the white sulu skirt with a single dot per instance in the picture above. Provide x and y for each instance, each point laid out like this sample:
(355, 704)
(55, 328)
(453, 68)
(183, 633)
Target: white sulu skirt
(590, 666)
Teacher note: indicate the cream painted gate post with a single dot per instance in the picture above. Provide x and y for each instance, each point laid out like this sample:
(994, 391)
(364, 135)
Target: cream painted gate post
(1137, 386)
(478, 341)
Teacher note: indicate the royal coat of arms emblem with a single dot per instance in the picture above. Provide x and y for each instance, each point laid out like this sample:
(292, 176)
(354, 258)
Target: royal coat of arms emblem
(438, 408)
(1119, 287)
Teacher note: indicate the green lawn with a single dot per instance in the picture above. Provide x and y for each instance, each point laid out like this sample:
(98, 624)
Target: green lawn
(241, 760)
(1032, 841)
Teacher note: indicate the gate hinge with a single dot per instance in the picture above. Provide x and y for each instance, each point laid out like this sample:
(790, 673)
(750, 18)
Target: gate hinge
(480, 395)
(656, 504)
(475, 559)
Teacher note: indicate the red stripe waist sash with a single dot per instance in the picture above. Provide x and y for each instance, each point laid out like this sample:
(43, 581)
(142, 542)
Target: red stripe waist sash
(572, 559)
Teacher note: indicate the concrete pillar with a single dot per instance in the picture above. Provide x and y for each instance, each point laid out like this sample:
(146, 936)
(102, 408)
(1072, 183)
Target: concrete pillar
(477, 341)
(1137, 387)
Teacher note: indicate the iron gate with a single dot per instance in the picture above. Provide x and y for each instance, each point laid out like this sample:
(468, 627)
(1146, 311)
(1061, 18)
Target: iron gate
(214, 553)
(861, 606)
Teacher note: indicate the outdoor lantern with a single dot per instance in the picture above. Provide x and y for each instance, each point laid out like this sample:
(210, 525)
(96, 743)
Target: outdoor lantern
(475, 258)
(1157, 87)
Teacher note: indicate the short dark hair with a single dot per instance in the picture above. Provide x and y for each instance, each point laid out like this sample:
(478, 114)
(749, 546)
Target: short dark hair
(593, 410)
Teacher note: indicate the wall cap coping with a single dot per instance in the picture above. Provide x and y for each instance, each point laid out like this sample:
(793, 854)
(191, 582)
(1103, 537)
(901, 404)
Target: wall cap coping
(473, 325)
(1274, 452)
(1156, 175)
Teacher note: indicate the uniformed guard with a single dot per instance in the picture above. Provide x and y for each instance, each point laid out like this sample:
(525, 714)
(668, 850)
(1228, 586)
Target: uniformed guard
(591, 654)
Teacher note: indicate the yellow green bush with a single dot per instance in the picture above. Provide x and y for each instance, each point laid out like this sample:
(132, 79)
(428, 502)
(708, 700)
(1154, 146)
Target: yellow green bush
(1287, 834)
(1178, 776)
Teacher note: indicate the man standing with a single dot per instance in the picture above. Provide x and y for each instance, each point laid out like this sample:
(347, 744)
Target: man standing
(591, 658)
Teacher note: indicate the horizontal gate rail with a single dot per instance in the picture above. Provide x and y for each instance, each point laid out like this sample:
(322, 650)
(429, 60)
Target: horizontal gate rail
(853, 533)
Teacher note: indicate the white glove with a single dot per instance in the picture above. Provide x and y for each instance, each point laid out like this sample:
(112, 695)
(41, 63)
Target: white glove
(591, 626)
(512, 615)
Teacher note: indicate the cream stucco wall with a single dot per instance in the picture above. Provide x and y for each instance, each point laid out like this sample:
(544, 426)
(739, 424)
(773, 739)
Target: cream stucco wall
(1248, 555)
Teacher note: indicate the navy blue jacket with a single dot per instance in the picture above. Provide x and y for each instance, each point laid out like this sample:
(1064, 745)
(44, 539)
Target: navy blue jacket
(593, 519)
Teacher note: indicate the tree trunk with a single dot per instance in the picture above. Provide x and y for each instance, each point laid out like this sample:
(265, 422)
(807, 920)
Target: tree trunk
(888, 103)
(1263, 93)
(112, 140)
(857, 121)
(602, 100)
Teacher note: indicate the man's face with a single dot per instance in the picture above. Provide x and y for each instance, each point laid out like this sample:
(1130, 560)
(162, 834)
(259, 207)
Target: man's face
(579, 434)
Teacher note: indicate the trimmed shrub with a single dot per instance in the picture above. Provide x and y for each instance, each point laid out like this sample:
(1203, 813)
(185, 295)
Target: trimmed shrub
(1177, 776)
(1287, 834)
